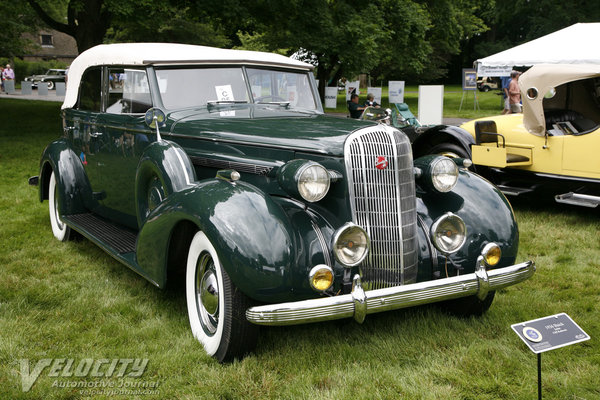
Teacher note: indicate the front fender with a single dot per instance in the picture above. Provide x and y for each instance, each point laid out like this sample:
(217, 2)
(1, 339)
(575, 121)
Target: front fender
(74, 188)
(251, 233)
(168, 164)
(487, 214)
(442, 134)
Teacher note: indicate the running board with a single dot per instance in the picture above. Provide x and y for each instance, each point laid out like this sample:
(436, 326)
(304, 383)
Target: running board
(513, 191)
(577, 199)
(104, 233)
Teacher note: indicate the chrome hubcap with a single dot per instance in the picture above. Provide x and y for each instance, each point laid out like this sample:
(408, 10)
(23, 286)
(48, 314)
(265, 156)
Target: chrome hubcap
(207, 293)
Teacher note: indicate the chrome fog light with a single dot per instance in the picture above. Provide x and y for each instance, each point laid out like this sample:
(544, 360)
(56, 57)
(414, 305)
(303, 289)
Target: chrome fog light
(444, 174)
(448, 233)
(491, 254)
(321, 277)
(350, 245)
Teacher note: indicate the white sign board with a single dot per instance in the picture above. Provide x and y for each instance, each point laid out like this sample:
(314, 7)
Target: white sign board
(42, 89)
(431, 104)
(352, 87)
(60, 88)
(224, 93)
(26, 87)
(396, 91)
(331, 97)
(9, 86)
(376, 91)
(487, 70)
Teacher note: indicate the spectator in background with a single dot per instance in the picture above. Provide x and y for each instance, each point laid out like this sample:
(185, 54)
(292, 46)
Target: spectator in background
(7, 75)
(505, 83)
(353, 107)
(514, 94)
(1, 79)
(371, 101)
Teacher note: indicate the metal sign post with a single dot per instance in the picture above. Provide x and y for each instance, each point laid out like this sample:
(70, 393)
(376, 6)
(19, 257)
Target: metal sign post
(549, 333)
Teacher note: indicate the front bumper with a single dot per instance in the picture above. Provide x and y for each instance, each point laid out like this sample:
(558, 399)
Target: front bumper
(360, 303)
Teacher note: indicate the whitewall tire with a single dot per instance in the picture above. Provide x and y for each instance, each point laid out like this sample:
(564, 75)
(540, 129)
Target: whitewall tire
(60, 230)
(216, 308)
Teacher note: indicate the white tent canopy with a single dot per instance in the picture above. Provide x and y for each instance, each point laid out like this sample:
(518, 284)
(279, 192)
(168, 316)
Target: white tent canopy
(576, 44)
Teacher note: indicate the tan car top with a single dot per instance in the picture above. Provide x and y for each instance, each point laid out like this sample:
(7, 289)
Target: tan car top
(543, 78)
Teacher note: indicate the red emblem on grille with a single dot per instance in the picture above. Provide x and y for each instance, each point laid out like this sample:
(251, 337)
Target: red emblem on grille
(381, 163)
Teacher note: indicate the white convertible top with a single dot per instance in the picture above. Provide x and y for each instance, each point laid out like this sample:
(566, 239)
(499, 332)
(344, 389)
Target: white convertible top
(166, 54)
(544, 77)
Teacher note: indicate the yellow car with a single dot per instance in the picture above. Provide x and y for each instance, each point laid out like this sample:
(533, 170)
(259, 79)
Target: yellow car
(553, 147)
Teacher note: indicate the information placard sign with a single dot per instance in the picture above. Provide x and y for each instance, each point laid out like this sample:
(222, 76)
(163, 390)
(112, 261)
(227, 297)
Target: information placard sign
(352, 87)
(396, 91)
(550, 332)
(331, 97)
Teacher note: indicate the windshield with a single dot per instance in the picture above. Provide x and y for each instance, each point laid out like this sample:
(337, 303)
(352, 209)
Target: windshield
(196, 87)
(270, 86)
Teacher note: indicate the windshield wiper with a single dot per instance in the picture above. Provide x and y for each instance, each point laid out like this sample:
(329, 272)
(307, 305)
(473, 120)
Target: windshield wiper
(285, 104)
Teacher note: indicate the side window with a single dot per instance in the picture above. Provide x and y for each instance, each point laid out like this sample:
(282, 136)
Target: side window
(128, 91)
(90, 94)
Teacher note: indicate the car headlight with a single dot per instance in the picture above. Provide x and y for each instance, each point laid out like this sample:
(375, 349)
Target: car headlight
(444, 174)
(491, 254)
(350, 244)
(448, 233)
(306, 179)
(438, 172)
(321, 277)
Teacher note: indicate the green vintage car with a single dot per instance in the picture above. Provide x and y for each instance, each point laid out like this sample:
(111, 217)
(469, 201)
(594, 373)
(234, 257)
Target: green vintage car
(220, 165)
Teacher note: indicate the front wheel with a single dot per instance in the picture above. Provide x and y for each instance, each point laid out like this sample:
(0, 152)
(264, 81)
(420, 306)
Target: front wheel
(50, 85)
(216, 308)
(60, 230)
(468, 306)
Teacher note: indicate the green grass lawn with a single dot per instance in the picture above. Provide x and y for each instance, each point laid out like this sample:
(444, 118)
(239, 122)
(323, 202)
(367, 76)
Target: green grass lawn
(487, 103)
(72, 301)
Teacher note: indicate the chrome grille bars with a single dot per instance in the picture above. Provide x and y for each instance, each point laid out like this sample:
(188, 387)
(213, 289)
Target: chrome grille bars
(382, 198)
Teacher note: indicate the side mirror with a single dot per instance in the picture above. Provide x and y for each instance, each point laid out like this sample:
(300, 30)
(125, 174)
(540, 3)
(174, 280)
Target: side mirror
(155, 118)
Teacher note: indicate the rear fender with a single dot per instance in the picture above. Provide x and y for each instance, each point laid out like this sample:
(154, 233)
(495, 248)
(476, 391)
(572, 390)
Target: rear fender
(74, 190)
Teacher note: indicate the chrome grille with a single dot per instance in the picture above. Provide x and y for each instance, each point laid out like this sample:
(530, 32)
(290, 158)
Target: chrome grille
(383, 203)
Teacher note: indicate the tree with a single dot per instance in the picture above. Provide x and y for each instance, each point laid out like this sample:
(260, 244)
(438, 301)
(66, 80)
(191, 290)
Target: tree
(92, 22)
(17, 19)
(87, 20)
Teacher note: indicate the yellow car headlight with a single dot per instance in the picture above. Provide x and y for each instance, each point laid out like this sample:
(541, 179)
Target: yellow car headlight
(321, 277)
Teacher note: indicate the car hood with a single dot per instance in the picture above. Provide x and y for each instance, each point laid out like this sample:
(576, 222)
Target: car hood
(314, 133)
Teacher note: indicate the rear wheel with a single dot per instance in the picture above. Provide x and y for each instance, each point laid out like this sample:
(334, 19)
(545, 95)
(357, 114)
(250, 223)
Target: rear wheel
(60, 230)
(216, 308)
(468, 306)
(50, 85)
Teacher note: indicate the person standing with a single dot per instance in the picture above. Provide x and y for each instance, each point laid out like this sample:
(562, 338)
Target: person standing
(1, 79)
(9, 76)
(505, 97)
(514, 94)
